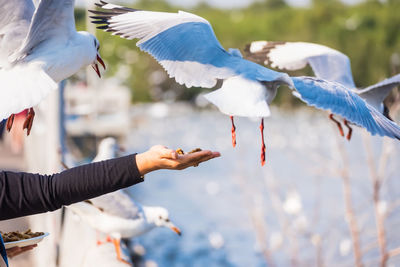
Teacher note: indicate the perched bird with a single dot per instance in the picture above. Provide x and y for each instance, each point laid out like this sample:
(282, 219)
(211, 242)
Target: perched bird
(327, 63)
(117, 214)
(38, 49)
(185, 45)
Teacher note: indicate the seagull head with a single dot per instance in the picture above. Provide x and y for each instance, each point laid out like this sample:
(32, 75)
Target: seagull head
(98, 58)
(159, 217)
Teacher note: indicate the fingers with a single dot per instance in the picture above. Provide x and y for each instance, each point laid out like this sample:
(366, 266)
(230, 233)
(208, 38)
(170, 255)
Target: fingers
(194, 159)
(161, 157)
(15, 251)
(23, 249)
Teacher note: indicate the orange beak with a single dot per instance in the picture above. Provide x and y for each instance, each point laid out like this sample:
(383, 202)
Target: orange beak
(176, 230)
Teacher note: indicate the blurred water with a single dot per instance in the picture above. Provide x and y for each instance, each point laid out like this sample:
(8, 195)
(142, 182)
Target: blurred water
(231, 207)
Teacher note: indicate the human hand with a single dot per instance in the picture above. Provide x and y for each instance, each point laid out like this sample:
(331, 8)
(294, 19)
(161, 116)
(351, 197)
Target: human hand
(160, 157)
(15, 251)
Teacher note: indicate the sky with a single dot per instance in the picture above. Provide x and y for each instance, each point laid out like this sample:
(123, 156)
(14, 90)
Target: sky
(223, 3)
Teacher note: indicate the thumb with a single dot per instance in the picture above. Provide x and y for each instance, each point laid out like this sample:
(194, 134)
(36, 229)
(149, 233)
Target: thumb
(168, 153)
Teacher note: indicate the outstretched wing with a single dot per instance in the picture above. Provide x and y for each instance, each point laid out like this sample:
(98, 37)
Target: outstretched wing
(375, 94)
(15, 18)
(52, 19)
(18, 94)
(14, 11)
(327, 63)
(183, 43)
(341, 101)
(119, 204)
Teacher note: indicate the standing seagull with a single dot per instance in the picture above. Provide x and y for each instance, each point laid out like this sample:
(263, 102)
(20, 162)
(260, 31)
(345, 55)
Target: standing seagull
(38, 49)
(185, 45)
(117, 214)
(327, 63)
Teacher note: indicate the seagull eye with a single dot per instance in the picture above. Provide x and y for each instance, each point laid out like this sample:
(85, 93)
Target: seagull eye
(167, 220)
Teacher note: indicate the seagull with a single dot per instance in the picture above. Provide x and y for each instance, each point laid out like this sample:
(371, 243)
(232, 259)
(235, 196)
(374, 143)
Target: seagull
(327, 63)
(117, 214)
(186, 46)
(38, 49)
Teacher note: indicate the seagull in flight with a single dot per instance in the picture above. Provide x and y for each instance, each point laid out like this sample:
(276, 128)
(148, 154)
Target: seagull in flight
(327, 63)
(38, 49)
(117, 214)
(186, 46)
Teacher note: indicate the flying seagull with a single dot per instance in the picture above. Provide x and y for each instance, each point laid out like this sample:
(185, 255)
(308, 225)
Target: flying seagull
(186, 46)
(117, 214)
(327, 63)
(38, 49)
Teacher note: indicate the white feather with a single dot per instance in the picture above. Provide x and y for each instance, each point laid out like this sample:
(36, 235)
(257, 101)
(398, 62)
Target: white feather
(144, 25)
(23, 86)
(239, 96)
(191, 73)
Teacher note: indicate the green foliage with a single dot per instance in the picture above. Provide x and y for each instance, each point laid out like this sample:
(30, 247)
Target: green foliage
(369, 33)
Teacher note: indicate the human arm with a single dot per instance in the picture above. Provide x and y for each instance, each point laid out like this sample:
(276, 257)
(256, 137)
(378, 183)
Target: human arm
(23, 194)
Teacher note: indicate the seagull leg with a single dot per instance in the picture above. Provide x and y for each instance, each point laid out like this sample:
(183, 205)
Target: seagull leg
(349, 134)
(10, 122)
(29, 121)
(263, 143)
(117, 244)
(338, 124)
(233, 132)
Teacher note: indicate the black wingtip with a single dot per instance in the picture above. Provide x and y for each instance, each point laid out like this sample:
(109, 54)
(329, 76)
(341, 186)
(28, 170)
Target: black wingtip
(103, 16)
(102, 27)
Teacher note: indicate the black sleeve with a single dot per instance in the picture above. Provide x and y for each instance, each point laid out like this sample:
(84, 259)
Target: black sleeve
(23, 194)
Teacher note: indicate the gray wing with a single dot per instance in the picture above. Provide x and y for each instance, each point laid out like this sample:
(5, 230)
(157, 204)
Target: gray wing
(375, 94)
(327, 63)
(15, 18)
(119, 204)
(52, 19)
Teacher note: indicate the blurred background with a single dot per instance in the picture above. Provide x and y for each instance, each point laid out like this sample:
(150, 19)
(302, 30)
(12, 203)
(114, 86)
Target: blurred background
(319, 201)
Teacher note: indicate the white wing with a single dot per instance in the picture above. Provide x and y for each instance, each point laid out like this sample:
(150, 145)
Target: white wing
(15, 18)
(15, 10)
(375, 94)
(118, 204)
(17, 94)
(52, 19)
(339, 100)
(183, 43)
(327, 63)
